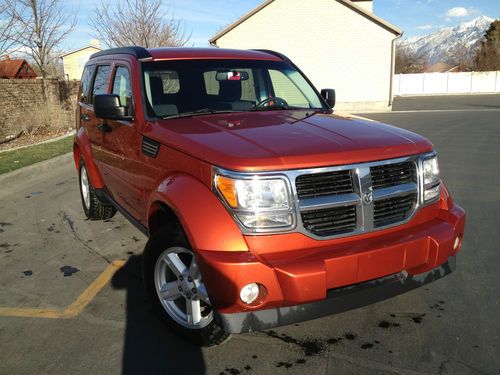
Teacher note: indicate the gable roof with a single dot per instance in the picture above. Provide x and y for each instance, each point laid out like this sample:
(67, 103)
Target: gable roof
(80, 49)
(10, 68)
(372, 17)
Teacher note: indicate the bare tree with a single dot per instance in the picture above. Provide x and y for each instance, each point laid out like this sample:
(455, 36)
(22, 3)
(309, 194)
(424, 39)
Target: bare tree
(8, 29)
(461, 56)
(44, 24)
(408, 62)
(143, 23)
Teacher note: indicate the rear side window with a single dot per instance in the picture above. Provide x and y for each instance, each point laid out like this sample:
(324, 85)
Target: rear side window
(88, 72)
(101, 81)
(122, 88)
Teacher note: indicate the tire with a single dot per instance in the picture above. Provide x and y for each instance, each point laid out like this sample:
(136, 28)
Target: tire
(174, 283)
(92, 207)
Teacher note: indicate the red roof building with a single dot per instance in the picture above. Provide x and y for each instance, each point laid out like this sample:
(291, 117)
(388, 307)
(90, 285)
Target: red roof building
(16, 69)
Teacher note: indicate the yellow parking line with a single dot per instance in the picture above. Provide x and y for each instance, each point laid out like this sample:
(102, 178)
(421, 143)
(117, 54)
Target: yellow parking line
(76, 307)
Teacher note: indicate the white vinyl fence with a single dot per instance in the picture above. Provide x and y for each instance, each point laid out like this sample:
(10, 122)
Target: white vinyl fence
(447, 83)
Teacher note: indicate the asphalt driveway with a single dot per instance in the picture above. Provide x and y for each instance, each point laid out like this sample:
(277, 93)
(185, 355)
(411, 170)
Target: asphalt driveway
(50, 259)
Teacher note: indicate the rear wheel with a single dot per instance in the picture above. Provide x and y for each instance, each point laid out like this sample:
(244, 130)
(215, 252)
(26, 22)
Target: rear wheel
(92, 207)
(176, 288)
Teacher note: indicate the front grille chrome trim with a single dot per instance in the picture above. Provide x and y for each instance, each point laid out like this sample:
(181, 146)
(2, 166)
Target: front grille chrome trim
(332, 201)
(394, 191)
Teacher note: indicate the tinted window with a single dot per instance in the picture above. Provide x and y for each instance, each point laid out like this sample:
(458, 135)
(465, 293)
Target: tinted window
(122, 87)
(101, 80)
(85, 83)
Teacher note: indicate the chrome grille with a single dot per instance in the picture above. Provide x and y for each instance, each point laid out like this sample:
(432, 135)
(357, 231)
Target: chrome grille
(321, 184)
(355, 199)
(393, 174)
(330, 221)
(393, 210)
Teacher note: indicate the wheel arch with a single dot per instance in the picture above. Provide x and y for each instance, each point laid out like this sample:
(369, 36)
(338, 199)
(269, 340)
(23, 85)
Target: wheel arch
(83, 151)
(205, 221)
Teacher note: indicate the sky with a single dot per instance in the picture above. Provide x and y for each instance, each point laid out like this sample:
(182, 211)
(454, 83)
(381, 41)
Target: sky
(204, 18)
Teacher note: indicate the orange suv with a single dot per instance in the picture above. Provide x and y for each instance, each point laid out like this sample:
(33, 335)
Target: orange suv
(262, 206)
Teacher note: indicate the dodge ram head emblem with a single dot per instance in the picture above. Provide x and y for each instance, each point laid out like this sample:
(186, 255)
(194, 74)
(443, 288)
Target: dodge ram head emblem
(368, 197)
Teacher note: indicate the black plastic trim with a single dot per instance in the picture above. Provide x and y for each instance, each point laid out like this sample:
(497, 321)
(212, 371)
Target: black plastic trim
(104, 198)
(337, 301)
(138, 52)
(150, 147)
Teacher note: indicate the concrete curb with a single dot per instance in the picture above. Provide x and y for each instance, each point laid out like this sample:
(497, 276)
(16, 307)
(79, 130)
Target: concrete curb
(10, 178)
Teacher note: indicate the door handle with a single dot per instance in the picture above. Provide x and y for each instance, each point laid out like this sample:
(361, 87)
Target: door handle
(84, 117)
(105, 128)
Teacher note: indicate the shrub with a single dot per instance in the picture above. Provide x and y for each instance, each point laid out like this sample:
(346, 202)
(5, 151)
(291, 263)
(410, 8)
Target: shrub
(45, 117)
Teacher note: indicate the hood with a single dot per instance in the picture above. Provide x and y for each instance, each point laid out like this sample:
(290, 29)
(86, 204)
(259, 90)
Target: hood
(273, 140)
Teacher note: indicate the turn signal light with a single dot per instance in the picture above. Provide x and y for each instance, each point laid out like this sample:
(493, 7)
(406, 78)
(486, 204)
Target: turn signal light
(227, 188)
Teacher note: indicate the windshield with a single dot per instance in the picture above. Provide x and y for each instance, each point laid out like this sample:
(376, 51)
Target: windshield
(196, 87)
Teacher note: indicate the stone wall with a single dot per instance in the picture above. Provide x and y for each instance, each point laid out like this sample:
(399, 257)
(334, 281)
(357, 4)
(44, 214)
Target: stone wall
(17, 95)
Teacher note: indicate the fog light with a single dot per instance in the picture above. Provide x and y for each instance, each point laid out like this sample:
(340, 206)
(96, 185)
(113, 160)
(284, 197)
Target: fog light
(249, 293)
(457, 243)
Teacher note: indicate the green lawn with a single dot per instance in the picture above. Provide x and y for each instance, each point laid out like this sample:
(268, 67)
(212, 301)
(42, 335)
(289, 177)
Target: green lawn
(11, 160)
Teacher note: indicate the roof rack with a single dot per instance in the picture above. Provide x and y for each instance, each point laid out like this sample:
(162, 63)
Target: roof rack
(274, 53)
(138, 52)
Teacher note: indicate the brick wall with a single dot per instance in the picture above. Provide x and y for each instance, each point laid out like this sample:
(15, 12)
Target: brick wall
(16, 95)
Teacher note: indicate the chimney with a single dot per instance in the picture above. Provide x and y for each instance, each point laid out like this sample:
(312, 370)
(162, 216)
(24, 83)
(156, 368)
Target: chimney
(365, 4)
(95, 43)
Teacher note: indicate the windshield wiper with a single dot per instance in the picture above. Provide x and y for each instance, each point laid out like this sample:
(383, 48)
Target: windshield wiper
(272, 108)
(199, 112)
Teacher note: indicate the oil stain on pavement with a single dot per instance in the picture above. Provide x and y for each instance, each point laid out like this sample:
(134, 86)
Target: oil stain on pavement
(68, 270)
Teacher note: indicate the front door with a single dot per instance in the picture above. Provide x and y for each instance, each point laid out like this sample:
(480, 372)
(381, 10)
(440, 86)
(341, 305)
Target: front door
(120, 148)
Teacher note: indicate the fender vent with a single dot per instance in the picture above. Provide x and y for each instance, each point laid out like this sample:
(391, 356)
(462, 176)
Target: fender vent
(150, 147)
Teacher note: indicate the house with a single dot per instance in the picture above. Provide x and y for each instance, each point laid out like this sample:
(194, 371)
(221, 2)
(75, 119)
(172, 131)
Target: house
(339, 44)
(16, 69)
(74, 61)
(441, 67)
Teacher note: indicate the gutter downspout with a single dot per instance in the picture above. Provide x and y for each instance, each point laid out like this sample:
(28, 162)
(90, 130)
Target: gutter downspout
(393, 67)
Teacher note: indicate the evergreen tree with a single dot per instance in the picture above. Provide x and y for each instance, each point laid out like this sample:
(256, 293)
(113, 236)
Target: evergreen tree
(488, 57)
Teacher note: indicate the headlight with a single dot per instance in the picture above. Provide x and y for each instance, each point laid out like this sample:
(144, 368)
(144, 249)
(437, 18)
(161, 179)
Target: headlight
(259, 203)
(430, 168)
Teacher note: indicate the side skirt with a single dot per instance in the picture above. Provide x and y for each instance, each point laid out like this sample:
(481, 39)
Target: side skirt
(104, 198)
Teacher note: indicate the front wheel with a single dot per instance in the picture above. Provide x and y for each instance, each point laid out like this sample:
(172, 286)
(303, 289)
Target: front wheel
(176, 288)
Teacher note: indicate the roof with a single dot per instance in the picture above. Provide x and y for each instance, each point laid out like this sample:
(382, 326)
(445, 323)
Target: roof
(10, 68)
(80, 49)
(372, 17)
(183, 53)
(441, 67)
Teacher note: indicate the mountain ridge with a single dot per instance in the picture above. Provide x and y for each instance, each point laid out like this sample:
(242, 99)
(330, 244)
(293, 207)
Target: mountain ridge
(438, 46)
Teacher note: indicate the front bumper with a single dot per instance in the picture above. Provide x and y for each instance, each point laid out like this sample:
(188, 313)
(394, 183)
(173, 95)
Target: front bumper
(305, 282)
(337, 300)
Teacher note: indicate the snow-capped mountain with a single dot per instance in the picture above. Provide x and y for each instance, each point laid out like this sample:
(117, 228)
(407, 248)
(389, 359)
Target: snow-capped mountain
(437, 46)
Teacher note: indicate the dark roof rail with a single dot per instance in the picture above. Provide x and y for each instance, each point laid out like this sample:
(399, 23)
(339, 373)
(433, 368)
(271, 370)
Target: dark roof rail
(138, 52)
(274, 53)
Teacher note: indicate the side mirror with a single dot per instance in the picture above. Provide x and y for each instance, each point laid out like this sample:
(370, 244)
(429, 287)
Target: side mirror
(107, 106)
(329, 96)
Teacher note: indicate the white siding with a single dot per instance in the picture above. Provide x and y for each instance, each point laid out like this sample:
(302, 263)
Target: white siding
(335, 46)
